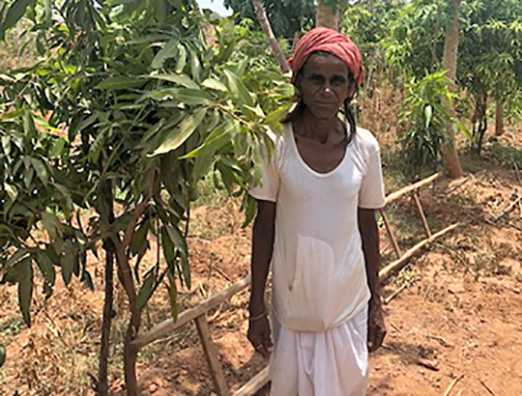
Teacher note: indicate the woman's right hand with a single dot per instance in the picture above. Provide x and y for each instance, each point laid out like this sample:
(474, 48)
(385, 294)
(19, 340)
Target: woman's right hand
(259, 335)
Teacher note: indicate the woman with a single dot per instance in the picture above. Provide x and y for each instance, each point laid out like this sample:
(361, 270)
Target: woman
(316, 226)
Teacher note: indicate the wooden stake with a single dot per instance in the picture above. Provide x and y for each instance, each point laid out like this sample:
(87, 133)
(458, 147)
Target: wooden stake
(394, 243)
(395, 265)
(216, 371)
(421, 213)
(254, 385)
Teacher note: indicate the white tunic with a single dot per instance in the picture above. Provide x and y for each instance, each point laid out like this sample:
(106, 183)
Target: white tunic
(319, 274)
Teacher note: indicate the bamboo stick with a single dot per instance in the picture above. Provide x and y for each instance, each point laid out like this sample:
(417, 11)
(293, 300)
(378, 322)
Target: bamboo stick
(216, 371)
(421, 213)
(254, 385)
(169, 325)
(397, 194)
(394, 265)
(394, 243)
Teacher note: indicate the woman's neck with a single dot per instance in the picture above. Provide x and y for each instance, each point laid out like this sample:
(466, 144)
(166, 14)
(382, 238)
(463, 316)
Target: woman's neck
(318, 128)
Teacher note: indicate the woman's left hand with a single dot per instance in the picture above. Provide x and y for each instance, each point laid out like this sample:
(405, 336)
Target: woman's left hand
(376, 326)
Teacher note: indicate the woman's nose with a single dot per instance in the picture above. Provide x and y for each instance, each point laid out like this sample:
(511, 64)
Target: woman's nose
(327, 89)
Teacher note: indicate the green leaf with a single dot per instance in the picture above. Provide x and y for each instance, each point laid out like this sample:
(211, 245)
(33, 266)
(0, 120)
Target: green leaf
(25, 288)
(238, 89)
(217, 139)
(169, 50)
(195, 66)
(47, 269)
(121, 82)
(139, 241)
(41, 170)
(428, 112)
(177, 237)
(169, 250)
(214, 84)
(14, 14)
(146, 290)
(182, 59)
(51, 225)
(182, 132)
(180, 79)
(3, 355)
(193, 97)
(69, 262)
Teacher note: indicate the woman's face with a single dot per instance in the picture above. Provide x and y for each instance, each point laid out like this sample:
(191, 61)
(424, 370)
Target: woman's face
(324, 85)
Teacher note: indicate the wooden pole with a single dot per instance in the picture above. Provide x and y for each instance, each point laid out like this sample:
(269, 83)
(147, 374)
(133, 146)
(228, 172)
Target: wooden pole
(397, 194)
(394, 243)
(216, 371)
(169, 325)
(255, 384)
(395, 265)
(421, 213)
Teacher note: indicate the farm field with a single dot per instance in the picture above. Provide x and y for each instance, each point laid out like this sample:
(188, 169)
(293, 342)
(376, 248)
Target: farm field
(458, 317)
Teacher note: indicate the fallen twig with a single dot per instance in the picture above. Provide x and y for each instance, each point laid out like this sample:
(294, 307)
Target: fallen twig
(452, 385)
(514, 226)
(428, 364)
(507, 210)
(517, 173)
(487, 387)
(466, 179)
(441, 340)
(394, 294)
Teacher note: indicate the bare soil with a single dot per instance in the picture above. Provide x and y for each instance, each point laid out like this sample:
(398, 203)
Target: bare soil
(457, 319)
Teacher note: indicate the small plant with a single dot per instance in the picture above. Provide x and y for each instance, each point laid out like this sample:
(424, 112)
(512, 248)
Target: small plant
(424, 119)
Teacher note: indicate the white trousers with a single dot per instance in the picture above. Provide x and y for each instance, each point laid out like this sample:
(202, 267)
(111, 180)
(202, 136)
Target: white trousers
(329, 363)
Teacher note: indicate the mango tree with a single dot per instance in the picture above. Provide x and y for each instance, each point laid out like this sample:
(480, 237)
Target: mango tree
(490, 61)
(134, 109)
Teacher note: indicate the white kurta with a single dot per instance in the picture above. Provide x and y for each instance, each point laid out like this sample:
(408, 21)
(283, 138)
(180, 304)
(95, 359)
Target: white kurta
(319, 274)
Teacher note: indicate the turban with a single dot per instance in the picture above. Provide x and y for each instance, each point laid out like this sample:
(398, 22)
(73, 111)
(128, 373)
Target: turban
(333, 42)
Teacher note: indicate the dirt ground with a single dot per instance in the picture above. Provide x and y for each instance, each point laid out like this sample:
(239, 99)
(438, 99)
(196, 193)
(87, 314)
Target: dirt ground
(456, 321)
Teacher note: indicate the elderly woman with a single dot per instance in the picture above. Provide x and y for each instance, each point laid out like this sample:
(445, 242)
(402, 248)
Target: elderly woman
(316, 227)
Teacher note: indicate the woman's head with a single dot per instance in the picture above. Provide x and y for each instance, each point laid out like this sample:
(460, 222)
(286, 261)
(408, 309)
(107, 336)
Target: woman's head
(323, 40)
(335, 49)
(324, 84)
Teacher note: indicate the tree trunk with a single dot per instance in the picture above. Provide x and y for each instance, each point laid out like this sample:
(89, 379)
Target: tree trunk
(434, 60)
(267, 30)
(326, 16)
(130, 354)
(450, 158)
(479, 121)
(103, 385)
(499, 119)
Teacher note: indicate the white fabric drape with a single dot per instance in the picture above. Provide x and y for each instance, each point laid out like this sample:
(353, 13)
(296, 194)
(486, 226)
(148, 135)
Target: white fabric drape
(329, 363)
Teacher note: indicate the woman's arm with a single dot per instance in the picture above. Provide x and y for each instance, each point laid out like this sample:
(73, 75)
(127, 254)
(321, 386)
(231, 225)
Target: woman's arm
(262, 248)
(372, 257)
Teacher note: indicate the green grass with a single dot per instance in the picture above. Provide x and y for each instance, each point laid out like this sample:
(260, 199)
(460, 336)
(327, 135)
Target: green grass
(11, 326)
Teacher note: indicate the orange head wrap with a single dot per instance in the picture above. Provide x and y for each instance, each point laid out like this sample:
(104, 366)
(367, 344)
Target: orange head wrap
(333, 42)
